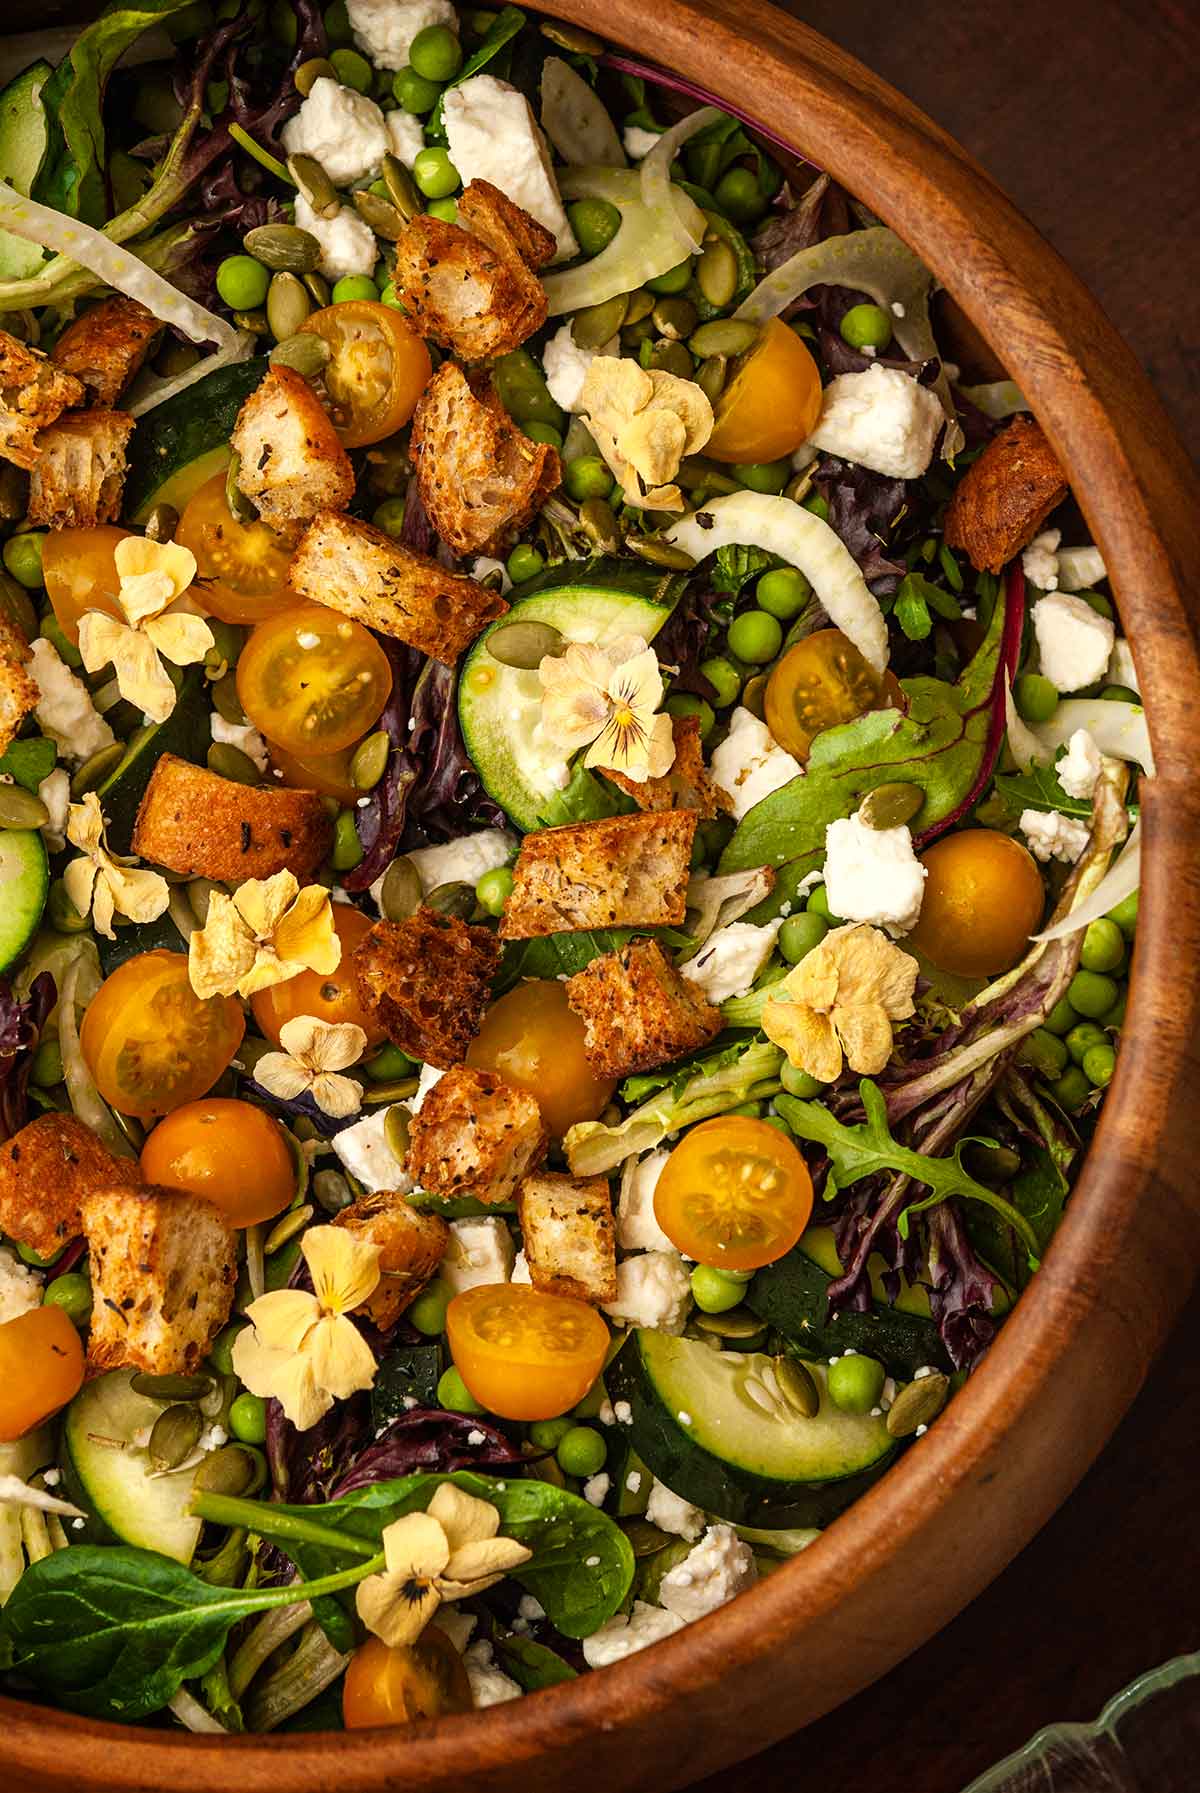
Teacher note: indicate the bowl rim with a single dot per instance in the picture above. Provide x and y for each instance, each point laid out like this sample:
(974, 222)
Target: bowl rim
(1072, 1355)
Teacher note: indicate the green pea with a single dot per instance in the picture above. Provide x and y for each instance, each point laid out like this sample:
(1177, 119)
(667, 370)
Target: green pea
(1082, 1037)
(866, 327)
(1036, 699)
(242, 282)
(445, 209)
(713, 1291)
(1098, 1065)
(248, 1419)
(389, 516)
(1103, 946)
(674, 280)
(783, 592)
(1099, 603)
(763, 476)
(347, 848)
(1115, 1016)
(354, 286)
(1072, 1089)
(35, 1260)
(1120, 694)
(453, 1393)
(595, 223)
(494, 889)
(543, 432)
(755, 636)
(389, 1065)
(581, 1451)
(1091, 993)
(587, 477)
(23, 557)
(855, 1383)
(798, 1083)
(388, 296)
(818, 506)
(435, 174)
(413, 92)
(817, 903)
(737, 195)
(724, 680)
(47, 1067)
(1045, 1052)
(352, 70)
(337, 23)
(73, 1293)
(524, 563)
(686, 703)
(548, 1434)
(221, 1354)
(428, 1312)
(800, 933)
(1062, 1017)
(1125, 914)
(436, 53)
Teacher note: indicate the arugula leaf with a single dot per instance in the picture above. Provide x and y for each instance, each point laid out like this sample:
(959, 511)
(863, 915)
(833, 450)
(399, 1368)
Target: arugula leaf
(28, 762)
(503, 29)
(1039, 789)
(531, 1665)
(735, 566)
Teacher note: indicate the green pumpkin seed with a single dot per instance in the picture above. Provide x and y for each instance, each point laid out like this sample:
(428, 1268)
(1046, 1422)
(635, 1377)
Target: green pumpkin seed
(754, 695)
(319, 289)
(309, 72)
(199, 895)
(305, 353)
(525, 645)
(798, 1386)
(596, 325)
(918, 1404)
(699, 475)
(711, 376)
(254, 321)
(370, 761)
(284, 248)
(384, 218)
(761, 1396)
(234, 1469)
(230, 762)
(175, 357)
(723, 336)
(659, 554)
(171, 1388)
(174, 1436)
(226, 701)
(735, 1323)
(675, 318)
(400, 893)
(395, 1131)
(240, 507)
(572, 37)
(61, 912)
(16, 605)
(639, 305)
(315, 185)
(95, 770)
(453, 898)
(402, 189)
(378, 1095)
(717, 273)
(645, 1539)
(599, 523)
(288, 305)
(891, 805)
(634, 335)
(672, 358)
(797, 487)
(293, 1222)
(19, 808)
(332, 1191)
(162, 523)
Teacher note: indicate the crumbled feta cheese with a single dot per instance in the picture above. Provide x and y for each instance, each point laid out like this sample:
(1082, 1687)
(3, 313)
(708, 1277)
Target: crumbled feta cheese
(475, 1436)
(65, 712)
(882, 419)
(730, 960)
(750, 764)
(490, 1686)
(52, 1477)
(384, 29)
(633, 1481)
(406, 136)
(637, 1227)
(342, 129)
(653, 1289)
(719, 1567)
(480, 1251)
(20, 1287)
(429, 1075)
(671, 1513)
(1121, 669)
(565, 365)
(464, 860)
(623, 1413)
(596, 1488)
(244, 736)
(492, 135)
(1074, 641)
(1079, 768)
(55, 793)
(520, 1269)
(626, 1633)
(457, 1625)
(347, 244)
(212, 1438)
(638, 143)
(530, 1608)
(1039, 562)
(1080, 568)
(366, 1154)
(1052, 836)
(873, 875)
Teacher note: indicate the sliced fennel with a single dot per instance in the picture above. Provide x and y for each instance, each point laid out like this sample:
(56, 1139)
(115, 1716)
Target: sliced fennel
(1119, 881)
(574, 117)
(158, 391)
(1118, 729)
(996, 398)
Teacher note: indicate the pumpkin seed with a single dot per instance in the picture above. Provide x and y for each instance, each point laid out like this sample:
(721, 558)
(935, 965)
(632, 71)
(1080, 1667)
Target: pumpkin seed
(659, 554)
(992, 1164)
(315, 185)
(918, 1404)
(61, 912)
(735, 1323)
(754, 1391)
(174, 1436)
(640, 305)
(162, 523)
(175, 357)
(571, 37)
(634, 335)
(240, 507)
(302, 81)
(234, 1469)
(199, 895)
(305, 353)
(645, 1539)
(672, 358)
(798, 1386)
(284, 248)
(226, 701)
(754, 695)
(288, 305)
(402, 189)
(400, 893)
(378, 1095)
(596, 325)
(711, 375)
(19, 808)
(370, 761)
(293, 1222)
(384, 218)
(797, 487)
(723, 336)
(598, 521)
(525, 645)
(319, 288)
(95, 770)
(675, 318)
(395, 1131)
(717, 273)
(890, 805)
(332, 1191)
(230, 762)
(698, 475)
(171, 1388)
(254, 321)
(453, 898)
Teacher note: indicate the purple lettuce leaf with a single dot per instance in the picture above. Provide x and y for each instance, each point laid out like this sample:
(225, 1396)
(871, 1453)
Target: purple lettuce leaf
(427, 1438)
(685, 639)
(307, 1466)
(821, 211)
(864, 508)
(962, 1289)
(21, 1025)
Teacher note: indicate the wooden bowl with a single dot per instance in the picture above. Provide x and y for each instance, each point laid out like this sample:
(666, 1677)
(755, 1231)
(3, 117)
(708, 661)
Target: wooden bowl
(1012, 1445)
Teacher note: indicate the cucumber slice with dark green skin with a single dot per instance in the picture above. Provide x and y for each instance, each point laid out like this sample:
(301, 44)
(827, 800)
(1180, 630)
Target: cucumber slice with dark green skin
(185, 440)
(23, 134)
(111, 1476)
(792, 1294)
(712, 1443)
(185, 733)
(499, 707)
(24, 883)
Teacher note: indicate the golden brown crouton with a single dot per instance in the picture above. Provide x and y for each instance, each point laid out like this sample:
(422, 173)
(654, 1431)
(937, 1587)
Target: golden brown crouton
(292, 460)
(622, 872)
(164, 1266)
(106, 345)
(19, 693)
(362, 572)
(79, 475)
(427, 981)
(686, 786)
(475, 1135)
(1002, 501)
(479, 476)
(46, 1170)
(33, 394)
(637, 1012)
(472, 286)
(411, 1246)
(202, 826)
(570, 1245)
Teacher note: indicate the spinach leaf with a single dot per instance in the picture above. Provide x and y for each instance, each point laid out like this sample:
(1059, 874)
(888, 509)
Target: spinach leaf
(406, 1372)
(561, 955)
(531, 1665)
(28, 762)
(585, 799)
(1039, 789)
(503, 29)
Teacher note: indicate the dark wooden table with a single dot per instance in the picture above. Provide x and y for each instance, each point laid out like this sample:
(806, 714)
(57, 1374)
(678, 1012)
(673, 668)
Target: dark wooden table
(1084, 110)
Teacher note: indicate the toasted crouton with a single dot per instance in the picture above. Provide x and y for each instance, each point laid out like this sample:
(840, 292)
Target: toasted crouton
(570, 1239)
(475, 1135)
(622, 872)
(479, 476)
(164, 1266)
(46, 1170)
(472, 286)
(687, 785)
(411, 1246)
(427, 981)
(33, 395)
(292, 463)
(202, 826)
(106, 345)
(1002, 501)
(19, 692)
(79, 475)
(637, 1012)
(365, 574)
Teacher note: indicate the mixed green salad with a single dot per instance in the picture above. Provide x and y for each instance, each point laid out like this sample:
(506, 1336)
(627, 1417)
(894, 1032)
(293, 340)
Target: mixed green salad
(569, 847)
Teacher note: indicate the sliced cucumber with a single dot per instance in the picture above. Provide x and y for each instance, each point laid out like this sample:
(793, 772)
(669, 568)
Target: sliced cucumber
(499, 707)
(111, 1476)
(24, 882)
(185, 440)
(743, 1456)
(185, 733)
(792, 1294)
(23, 135)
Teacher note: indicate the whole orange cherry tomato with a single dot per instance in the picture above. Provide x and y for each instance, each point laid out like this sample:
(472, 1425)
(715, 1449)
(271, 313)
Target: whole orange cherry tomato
(330, 996)
(328, 773)
(312, 680)
(523, 1354)
(243, 566)
(735, 1194)
(378, 368)
(81, 574)
(229, 1152)
(150, 1043)
(771, 403)
(821, 681)
(983, 898)
(41, 1369)
(386, 1685)
(534, 1039)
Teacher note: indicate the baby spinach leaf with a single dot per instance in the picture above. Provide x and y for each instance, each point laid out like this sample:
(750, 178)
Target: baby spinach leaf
(28, 762)
(405, 1374)
(561, 955)
(531, 1665)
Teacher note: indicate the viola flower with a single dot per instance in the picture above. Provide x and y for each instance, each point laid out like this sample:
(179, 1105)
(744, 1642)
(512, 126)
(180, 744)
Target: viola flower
(268, 931)
(301, 1348)
(313, 1052)
(103, 883)
(644, 422)
(153, 575)
(842, 999)
(449, 1552)
(609, 696)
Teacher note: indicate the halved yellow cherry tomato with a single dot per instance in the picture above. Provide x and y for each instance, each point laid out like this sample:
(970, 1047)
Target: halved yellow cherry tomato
(533, 1038)
(243, 566)
(328, 773)
(41, 1369)
(387, 1685)
(81, 574)
(378, 368)
(523, 1354)
(821, 681)
(771, 404)
(734, 1193)
(330, 996)
(150, 1043)
(229, 1152)
(983, 899)
(312, 680)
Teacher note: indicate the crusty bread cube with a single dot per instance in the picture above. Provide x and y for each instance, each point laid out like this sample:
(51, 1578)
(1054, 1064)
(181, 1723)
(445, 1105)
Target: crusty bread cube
(569, 1234)
(202, 826)
(292, 463)
(106, 345)
(411, 1246)
(480, 477)
(362, 572)
(638, 1012)
(687, 785)
(164, 1266)
(427, 981)
(46, 1170)
(19, 693)
(622, 872)
(79, 474)
(1002, 501)
(33, 394)
(475, 1135)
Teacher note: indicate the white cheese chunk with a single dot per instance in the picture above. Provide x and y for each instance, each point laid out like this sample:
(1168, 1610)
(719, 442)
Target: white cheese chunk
(1074, 641)
(55, 793)
(344, 130)
(565, 365)
(654, 1290)
(65, 712)
(20, 1287)
(671, 1513)
(730, 960)
(595, 1489)
(1121, 669)
(244, 736)
(384, 29)
(1079, 767)
(882, 419)
(480, 1251)
(464, 860)
(366, 1154)
(626, 1633)
(637, 1225)
(1053, 836)
(1039, 562)
(429, 1075)
(520, 1269)
(347, 244)
(492, 135)
(490, 1686)
(719, 1567)
(873, 875)
(1080, 568)
(750, 764)
(406, 136)
(638, 142)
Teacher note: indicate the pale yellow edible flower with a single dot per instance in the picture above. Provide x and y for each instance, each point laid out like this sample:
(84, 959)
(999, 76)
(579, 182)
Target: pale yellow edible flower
(103, 883)
(313, 1052)
(644, 422)
(153, 575)
(842, 999)
(449, 1552)
(609, 696)
(268, 931)
(301, 1348)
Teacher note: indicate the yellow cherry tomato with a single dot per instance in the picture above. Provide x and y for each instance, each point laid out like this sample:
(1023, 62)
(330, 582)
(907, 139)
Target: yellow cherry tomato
(41, 1369)
(328, 773)
(734, 1193)
(241, 568)
(821, 681)
(386, 1685)
(331, 995)
(378, 368)
(150, 1043)
(534, 1039)
(523, 1354)
(312, 680)
(983, 899)
(81, 574)
(772, 402)
(229, 1152)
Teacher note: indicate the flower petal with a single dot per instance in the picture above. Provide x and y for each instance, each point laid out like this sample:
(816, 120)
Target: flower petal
(652, 443)
(689, 402)
(660, 748)
(222, 952)
(172, 565)
(285, 1375)
(85, 824)
(345, 1270)
(463, 1518)
(342, 1361)
(305, 934)
(872, 968)
(79, 879)
(806, 1036)
(142, 679)
(336, 1096)
(262, 903)
(183, 638)
(395, 1610)
(100, 639)
(283, 1318)
(866, 1034)
(281, 1075)
(487, 1556)
(103, 906)
(141, 895)
(323, 1045)
(415, 1546)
